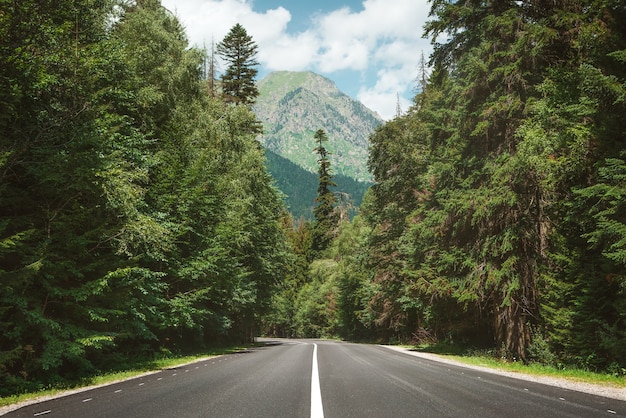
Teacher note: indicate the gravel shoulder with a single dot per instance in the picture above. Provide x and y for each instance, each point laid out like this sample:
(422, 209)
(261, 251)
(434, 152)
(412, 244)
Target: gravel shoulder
(606, 391)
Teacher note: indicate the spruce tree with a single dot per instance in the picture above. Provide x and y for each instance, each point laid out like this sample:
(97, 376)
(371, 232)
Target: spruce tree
(324, 213)
(239, 51)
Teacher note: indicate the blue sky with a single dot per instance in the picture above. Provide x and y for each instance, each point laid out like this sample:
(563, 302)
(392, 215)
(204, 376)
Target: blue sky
(370, 48)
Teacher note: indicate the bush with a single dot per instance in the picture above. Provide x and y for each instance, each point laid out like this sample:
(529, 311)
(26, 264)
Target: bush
(539, 350)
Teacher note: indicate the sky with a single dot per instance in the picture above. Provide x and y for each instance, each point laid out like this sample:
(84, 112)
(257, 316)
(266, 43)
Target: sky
(371, 49)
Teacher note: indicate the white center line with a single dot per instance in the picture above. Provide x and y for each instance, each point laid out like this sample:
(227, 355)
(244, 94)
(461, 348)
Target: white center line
(317, 410)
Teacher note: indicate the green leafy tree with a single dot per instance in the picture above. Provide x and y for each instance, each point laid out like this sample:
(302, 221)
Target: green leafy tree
(316, 304)
(353, 286)
(496, 226)
(239, 51)
(397, 153)
(72, 198)
(485, 222)
(281, 320)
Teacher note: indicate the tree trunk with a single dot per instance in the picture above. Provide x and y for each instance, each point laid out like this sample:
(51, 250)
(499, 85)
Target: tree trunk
(512, 330)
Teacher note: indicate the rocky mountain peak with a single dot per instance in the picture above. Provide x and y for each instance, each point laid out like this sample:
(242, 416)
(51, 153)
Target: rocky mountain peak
(293, 105)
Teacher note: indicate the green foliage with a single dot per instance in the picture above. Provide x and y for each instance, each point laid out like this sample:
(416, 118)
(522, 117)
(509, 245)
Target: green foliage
(325, 213)
(354, 288)
(316, 314)
(608, 197)
(135, 213)
(497, 201)
(239, 51)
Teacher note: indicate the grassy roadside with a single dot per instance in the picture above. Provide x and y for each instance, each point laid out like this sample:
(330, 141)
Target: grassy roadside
(534, 369)
(132, 369)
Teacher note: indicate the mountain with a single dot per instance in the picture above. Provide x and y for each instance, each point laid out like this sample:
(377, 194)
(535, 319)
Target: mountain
(293, 105)
(300, 186)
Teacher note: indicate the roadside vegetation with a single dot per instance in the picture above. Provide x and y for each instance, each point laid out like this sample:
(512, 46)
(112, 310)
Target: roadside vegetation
(491, 358)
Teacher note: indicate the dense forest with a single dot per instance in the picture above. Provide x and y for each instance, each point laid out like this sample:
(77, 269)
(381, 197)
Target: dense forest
(136, 213)
(497, 218)
(137, 216)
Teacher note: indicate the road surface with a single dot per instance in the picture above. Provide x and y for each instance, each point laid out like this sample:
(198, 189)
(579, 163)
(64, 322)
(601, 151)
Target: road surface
(314, 378)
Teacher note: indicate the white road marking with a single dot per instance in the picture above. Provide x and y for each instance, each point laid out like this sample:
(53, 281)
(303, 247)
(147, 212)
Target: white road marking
(87, 400)
(118, 391)
(610, 411)
(38, 414)
(317, 409)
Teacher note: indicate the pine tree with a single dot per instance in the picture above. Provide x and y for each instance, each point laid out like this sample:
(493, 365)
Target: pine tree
(496, 226)
(325, 215)
(239, 51)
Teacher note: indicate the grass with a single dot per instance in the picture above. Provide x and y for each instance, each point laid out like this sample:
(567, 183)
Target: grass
(535, 369)
(133, 369)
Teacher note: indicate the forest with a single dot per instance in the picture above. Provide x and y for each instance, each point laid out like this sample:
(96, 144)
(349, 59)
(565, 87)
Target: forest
(497, 217)
(136, 213)
(138, 218)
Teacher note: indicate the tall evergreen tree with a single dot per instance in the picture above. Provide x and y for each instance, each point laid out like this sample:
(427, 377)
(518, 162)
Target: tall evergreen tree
(239, 51)
(497, 201)
(325, 214)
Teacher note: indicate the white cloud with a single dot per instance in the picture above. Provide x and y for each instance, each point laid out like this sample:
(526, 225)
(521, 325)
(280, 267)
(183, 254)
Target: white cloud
(382, 40)
(290, 53)
(349, 54)
(383, 96)
(205, 20)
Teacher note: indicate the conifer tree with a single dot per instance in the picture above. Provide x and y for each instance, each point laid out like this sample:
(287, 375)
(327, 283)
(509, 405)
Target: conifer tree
(324, 213)
(239, 51)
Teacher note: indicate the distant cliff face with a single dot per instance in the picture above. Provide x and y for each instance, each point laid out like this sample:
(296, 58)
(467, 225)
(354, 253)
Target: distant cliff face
(294, 105)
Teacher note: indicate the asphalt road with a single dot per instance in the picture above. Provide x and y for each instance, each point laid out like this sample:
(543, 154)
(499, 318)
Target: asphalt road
(352, 380)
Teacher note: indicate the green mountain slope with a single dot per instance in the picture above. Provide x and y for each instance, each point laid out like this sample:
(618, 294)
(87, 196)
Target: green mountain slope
(293, 105)
(300, 186)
